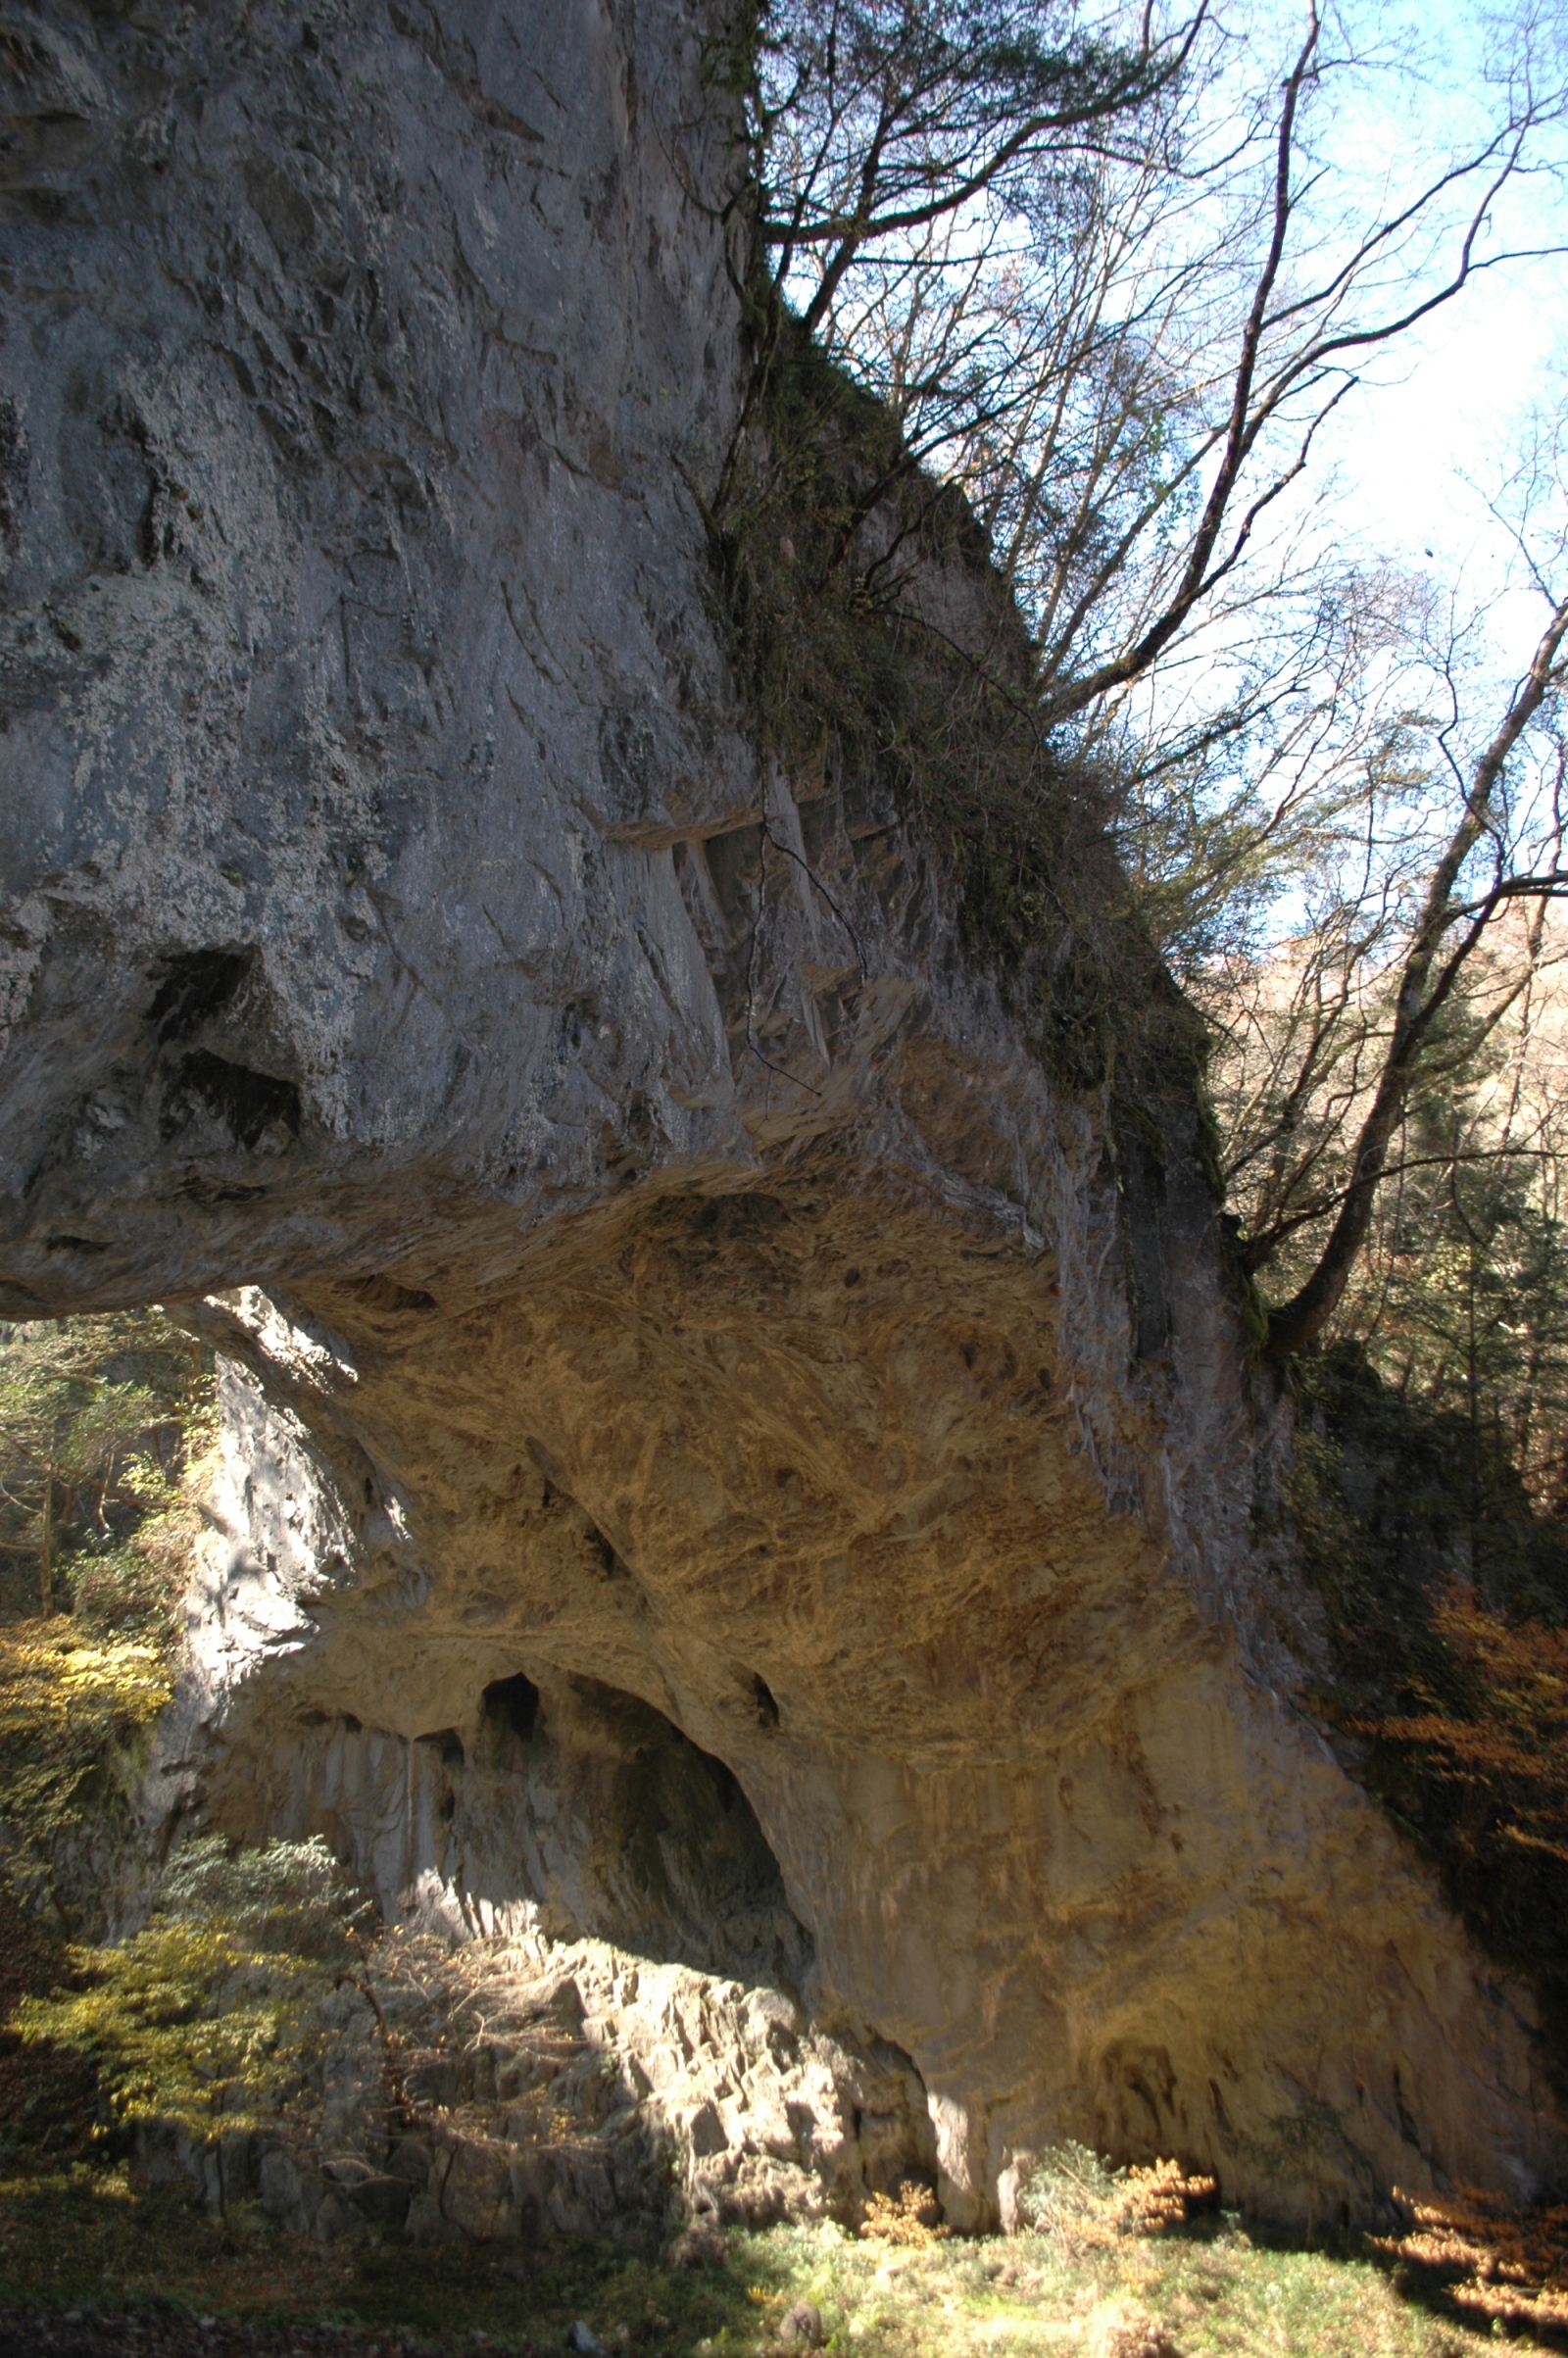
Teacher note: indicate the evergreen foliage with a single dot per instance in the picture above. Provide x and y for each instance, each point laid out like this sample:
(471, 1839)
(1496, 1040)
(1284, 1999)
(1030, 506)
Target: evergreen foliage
(102, 1421)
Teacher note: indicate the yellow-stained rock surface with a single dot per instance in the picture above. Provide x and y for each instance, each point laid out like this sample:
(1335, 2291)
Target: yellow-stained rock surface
(814, 1476)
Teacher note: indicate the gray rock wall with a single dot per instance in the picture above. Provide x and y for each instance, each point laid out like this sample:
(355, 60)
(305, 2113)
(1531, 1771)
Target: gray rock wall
(651, 1258)
(353, 603)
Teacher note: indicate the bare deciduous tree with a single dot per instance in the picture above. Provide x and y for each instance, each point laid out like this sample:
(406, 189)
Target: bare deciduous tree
(1452, 913)
(1425, 849)
(1122, 322)
(1112, 276)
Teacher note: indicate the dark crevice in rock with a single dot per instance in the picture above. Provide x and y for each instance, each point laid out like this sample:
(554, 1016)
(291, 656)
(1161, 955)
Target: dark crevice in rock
(449, 1743)
(512, 1703)
(249, 1103)
(197, 985)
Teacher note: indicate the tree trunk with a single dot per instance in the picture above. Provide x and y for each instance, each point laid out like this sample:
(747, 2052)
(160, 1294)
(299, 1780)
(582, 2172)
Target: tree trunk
(46, 1545)
(1425, 984)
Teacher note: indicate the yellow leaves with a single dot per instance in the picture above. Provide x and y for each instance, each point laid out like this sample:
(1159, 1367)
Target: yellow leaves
(148, 1480)
(907, 2219)
(210, 2018)
(66, 1700)
(51, 1675)
(188, 2025)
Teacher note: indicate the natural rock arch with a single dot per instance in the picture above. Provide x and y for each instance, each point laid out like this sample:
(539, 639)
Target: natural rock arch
(645, 1247)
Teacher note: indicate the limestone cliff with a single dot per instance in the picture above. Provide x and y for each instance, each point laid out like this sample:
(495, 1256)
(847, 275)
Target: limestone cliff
(723, 1455)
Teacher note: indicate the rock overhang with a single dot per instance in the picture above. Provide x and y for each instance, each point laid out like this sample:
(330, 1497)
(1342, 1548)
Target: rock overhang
(644, 1248)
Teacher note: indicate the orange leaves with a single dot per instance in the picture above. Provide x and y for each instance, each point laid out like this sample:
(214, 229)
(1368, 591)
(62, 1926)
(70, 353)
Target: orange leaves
(1509, 2265)
(1510, 1748)
(1076, 2196)
(68, 1703)
(1161, 2195)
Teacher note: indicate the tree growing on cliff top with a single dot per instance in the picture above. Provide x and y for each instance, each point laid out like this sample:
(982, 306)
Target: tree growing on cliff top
(1123, 329)
(875, 119)
(1113, 275)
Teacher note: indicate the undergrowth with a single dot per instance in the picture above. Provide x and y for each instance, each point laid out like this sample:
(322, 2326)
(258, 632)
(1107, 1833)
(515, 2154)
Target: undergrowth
(871, 638)
(1075, 2197)
(78, 2235)
(74, 1704)
(207, 2021)
(1497, 2265)
(1116, 2263)
(1447, 1616)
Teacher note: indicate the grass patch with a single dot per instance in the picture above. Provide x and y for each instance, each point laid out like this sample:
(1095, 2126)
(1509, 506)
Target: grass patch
(85, 2234)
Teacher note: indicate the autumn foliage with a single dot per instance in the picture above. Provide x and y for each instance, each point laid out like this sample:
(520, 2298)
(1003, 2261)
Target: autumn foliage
(907, 2219)
(73, 1704)
(1075, 2196)
(1502, 2265)
(1446, 1614)
(1506, 1753)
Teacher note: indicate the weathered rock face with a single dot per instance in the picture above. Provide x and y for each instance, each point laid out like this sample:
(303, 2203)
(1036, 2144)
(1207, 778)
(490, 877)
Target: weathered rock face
(577, 2088)
(721, 1457)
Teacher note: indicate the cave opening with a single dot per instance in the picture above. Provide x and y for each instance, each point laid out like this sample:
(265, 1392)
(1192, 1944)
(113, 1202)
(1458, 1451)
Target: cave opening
(513, 1704)
(593, 1804)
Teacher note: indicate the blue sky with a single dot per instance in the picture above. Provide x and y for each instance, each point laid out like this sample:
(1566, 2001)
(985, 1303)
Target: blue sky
(1417, 450)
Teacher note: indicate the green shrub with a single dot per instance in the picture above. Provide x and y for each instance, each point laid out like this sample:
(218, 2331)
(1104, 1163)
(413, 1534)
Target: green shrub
(208, 2020)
